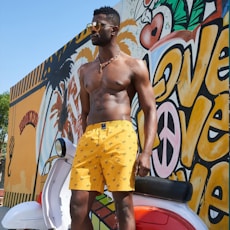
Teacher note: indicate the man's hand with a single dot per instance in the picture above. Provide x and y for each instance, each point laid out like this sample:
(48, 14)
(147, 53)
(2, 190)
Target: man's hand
(143, 164)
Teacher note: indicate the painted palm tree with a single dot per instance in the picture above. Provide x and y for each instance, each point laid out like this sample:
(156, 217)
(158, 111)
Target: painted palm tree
(57, 82)
(123, 38)
(54, 77)
(68, 117)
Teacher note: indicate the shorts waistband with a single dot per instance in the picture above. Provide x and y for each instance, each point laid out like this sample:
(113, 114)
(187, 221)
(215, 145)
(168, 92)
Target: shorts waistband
(106, 124)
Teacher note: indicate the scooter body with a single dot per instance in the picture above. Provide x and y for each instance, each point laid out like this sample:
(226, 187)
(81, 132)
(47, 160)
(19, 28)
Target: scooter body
(25, 215)
(158, 203)
(152, 213)
(53, 211)
(162, 204)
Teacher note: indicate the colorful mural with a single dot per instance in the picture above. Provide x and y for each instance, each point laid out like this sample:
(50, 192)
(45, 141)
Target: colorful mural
(185, 45)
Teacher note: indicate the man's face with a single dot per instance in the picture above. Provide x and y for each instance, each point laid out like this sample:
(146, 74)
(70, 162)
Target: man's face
(101, 30)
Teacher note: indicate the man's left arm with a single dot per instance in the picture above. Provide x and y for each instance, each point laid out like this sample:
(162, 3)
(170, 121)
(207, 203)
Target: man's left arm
(147, 102)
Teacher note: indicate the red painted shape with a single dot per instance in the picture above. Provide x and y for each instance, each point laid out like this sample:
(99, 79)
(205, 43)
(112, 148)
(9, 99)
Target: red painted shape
(39, 198)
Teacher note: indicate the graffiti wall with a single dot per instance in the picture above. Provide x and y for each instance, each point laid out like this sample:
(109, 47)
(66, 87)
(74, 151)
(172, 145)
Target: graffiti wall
(185, 45)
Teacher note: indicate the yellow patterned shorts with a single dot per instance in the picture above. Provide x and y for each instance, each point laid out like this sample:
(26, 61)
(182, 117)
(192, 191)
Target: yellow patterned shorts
(106, 154)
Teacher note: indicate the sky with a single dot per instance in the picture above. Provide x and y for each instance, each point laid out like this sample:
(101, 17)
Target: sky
(31, 31)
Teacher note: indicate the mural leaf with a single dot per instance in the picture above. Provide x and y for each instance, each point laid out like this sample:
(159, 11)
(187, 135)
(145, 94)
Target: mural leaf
(179, 12)
(196, 15)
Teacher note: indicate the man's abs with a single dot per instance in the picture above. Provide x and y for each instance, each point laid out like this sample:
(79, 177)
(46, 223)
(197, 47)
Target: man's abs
(109, 112)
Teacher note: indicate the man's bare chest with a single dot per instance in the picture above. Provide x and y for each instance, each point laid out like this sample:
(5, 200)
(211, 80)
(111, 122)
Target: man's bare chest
(112, 80)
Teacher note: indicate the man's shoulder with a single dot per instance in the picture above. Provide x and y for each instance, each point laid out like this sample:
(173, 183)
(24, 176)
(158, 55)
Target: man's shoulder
(86, 66)
(129, 58)
(137, 66)
(133, 61)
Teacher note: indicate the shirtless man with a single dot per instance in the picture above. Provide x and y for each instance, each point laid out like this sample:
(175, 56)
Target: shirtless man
(107, 151)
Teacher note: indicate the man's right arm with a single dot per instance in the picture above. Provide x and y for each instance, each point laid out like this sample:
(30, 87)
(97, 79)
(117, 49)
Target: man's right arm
(84, 97)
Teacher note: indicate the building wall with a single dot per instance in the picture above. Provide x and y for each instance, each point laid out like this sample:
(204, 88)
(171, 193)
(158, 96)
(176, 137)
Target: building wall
(186, 47)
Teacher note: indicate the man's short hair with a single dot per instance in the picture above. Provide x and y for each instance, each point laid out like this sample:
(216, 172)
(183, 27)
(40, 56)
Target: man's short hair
(111, 14)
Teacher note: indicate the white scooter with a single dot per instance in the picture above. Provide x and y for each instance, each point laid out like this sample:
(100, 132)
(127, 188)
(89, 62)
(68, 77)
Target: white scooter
(158, 203)
(53, 211)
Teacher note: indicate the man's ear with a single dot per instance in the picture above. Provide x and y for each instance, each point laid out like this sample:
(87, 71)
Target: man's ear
(115, 30)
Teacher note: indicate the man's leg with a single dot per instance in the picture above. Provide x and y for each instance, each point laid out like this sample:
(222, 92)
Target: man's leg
(124, 210)
(80, 205)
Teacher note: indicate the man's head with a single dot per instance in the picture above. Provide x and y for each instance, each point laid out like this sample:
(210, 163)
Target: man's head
(104, 26)
(111, 14)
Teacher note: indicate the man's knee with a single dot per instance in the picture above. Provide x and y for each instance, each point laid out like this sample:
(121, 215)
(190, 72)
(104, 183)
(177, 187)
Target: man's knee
(81, 202)
(123, 202)
(78, 205)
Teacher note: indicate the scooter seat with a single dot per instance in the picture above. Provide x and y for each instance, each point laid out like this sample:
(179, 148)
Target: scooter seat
(161, 188)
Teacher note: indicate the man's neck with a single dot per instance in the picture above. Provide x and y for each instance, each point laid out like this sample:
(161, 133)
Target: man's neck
(106, 53)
